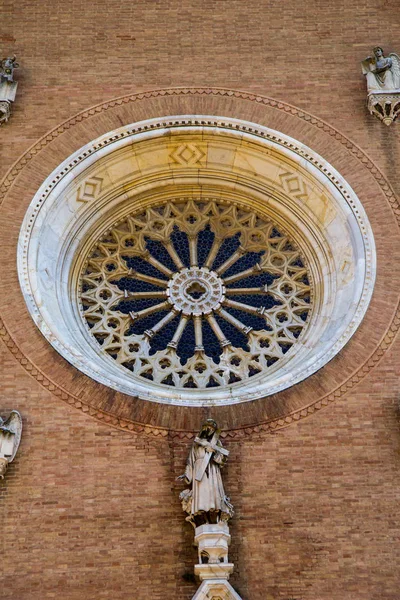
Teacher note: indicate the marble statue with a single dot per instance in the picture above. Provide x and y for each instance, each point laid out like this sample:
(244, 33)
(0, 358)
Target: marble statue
(10, 437)
(7, 69)
(382, 72)
(205, 501)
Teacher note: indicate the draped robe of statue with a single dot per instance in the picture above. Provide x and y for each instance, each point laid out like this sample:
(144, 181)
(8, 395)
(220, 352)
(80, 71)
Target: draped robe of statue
(207, 494)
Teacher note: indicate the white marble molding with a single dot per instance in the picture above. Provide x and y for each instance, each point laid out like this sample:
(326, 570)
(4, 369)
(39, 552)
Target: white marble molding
(157, 160)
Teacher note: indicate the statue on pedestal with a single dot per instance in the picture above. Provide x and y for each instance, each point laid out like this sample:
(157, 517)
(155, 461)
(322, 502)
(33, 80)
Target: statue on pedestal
(383, 85)
(382, 72)
(206, 501)
(209, 510)
(10, 437)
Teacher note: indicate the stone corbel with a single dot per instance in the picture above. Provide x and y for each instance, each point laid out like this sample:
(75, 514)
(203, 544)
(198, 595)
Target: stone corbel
(384, 105)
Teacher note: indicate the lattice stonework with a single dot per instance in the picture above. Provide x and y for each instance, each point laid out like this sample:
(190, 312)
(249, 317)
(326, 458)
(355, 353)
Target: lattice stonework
(195, 293)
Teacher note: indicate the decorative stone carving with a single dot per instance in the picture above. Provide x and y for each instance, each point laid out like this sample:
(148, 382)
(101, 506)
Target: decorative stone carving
(383, 84)
(8, 87)
(7, 69)
(216, 590)
(259, 174)
(242, 277)
(209, 510)
(205, 501)
(10, 437)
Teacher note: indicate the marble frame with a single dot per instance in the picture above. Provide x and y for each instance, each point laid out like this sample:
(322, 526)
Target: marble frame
(154, 159)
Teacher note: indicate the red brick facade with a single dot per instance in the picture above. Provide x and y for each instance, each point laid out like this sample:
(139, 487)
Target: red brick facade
(89, 508)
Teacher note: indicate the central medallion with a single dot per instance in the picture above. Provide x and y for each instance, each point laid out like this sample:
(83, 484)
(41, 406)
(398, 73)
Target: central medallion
(196, 291)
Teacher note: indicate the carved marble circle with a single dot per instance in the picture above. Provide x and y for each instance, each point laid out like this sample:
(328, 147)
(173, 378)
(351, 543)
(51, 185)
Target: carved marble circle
(170, 163)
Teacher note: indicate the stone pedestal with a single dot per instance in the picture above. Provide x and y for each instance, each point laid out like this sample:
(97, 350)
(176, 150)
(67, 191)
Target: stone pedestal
(214, 567)
(385, 105)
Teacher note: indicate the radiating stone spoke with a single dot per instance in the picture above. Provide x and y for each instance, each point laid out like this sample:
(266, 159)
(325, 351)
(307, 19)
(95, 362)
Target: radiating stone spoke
(138, 295)
(148, 311)
(179, 331)
(248, 291)
(254, 310)
(213, 253)
(174, 255)
(257, 269)
(235, 322)
(217, 330)
(230, 261)
(148, 278)
(158, 265)
(162, 323)
(198, 333)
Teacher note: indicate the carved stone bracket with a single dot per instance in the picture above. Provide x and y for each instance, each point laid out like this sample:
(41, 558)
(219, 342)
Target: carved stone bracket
(384, 105)
(218, 589)
(8, 91)
(212, 541)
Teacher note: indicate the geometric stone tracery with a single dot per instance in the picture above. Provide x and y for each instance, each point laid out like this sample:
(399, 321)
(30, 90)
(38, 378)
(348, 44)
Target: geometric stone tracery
(195, 293)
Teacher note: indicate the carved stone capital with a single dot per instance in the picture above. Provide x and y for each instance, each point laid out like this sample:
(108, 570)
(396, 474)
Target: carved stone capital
(384, 105)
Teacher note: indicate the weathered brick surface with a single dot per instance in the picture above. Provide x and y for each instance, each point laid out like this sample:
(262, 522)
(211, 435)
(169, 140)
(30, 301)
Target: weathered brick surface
(88, 511)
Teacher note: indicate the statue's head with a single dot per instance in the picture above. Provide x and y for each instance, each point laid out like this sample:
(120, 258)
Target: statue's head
(209, 427)
(378, 52)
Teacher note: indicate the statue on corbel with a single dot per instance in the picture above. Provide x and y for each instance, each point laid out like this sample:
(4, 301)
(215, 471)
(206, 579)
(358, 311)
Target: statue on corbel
(8, 87)
(383, 84)
(209, 510)
(10, 437)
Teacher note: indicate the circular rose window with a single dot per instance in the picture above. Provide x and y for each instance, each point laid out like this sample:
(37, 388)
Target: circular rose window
(196, 293)
(196, 260)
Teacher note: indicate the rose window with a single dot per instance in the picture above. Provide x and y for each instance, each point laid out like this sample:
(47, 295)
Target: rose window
(195, 293)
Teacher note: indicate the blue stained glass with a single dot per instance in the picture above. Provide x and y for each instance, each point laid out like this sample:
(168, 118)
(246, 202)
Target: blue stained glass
(261, 300)
(160, 253)
(135, 285)
(227, 248)
(297, 263)
(212, 383)
(245, 262)
(139, 264)
(187, 343)
(211, 344)
(168, 380)
(254, 280)
(275, 233)
(127, 306)
(253, 321)
(205, 241)
(181, 245)
(236, 337)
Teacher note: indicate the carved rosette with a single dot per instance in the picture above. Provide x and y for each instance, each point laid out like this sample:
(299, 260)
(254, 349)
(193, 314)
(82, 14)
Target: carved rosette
(384, 105)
